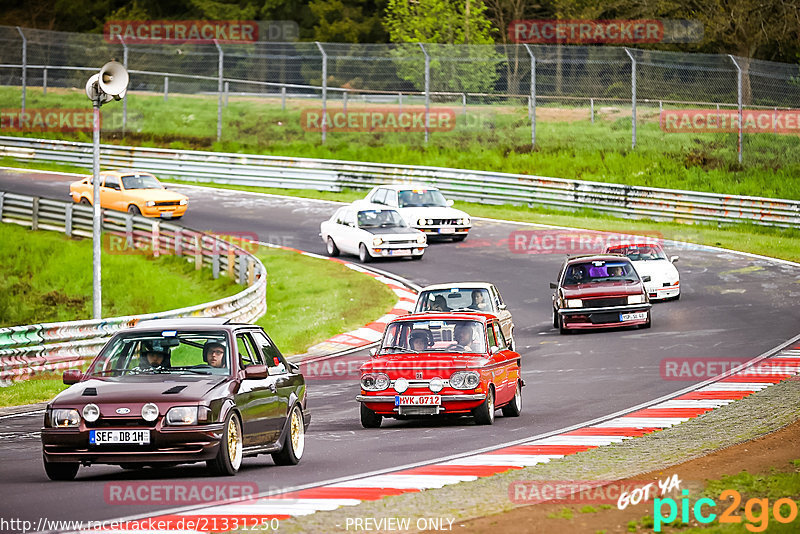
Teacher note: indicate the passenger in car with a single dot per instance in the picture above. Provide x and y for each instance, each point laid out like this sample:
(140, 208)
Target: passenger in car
(439, 304)
(479, 300)
(420, 341)
(214, 354)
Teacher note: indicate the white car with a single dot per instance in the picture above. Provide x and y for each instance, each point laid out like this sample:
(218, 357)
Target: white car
(650, 260)
(371, 232)
(481, 297)
(423, 208)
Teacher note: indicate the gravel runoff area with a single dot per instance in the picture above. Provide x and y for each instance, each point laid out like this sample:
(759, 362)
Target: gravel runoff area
(747, 419)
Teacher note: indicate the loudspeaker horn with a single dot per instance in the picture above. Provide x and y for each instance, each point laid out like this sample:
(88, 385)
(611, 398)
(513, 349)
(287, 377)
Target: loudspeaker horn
(113, 79)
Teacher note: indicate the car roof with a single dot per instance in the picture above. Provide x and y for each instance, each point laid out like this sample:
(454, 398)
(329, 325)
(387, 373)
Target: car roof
(434, 316)
(595, 257)
(126, 172)
(185, 322)
(634, 244)
(362, 205)
(398, 187)
(459, 285)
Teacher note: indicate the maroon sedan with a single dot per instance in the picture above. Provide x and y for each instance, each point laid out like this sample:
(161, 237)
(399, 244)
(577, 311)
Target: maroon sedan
(600, 291)
(178, 391)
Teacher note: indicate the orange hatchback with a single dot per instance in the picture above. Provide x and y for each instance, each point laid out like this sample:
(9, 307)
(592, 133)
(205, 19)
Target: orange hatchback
(136, 192)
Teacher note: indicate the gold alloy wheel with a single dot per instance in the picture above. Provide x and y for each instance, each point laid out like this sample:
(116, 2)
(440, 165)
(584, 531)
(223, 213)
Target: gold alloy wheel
(234, 443)
(297, 433)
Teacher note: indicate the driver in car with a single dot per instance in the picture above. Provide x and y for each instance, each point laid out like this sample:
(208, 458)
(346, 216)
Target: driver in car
(154, 358)
(464, 338)
(215, 354)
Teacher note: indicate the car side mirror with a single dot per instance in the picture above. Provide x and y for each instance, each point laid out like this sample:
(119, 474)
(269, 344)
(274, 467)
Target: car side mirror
(494, 350)
(673, 259)
(553, 285)
(293, 367)
(646, 278)
(502, 307)
(449, 203)
(71, 376)
(256, 371)
(373, 352)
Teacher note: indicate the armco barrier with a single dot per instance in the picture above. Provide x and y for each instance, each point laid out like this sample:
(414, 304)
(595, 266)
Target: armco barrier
(475, 186)
(30, 349)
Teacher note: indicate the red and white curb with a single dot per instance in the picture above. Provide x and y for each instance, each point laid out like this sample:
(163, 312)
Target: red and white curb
(760, 373)
(369, 333)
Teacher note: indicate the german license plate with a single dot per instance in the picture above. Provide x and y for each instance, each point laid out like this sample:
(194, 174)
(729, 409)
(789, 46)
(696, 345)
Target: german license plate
(399, 252)
(447, 230)
(417, 400)
(115, 437)
(166, 214)
(635, 316)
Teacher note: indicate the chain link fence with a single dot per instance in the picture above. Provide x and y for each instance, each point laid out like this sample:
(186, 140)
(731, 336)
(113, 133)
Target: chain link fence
(499, 91)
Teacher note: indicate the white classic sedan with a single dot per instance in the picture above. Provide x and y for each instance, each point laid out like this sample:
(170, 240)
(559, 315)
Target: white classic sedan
(371, 232)
(481, 297)
(424, 208)
(650, 260)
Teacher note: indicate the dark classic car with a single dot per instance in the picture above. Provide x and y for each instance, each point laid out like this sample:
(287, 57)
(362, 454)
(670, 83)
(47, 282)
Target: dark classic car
(599, 291)
(441, 364)
(178, 391)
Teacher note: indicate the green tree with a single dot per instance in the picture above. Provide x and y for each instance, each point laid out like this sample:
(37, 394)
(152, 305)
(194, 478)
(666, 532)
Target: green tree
(348, 21)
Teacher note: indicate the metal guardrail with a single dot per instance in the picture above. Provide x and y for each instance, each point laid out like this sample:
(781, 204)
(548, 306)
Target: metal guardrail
(474, 186)
(31, 349)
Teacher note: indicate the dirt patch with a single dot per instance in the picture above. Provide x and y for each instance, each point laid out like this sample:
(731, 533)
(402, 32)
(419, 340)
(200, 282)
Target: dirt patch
(774, 451)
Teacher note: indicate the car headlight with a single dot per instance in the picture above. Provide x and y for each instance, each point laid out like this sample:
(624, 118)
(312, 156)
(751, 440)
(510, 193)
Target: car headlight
(574, 303)
(91, 413)
(466, 220)
(400, 385)
(150, 203)
(635, 299)
(465, 380)
(376, 241)
(183, 202)
(64, 418)
(429, 221)
(182, 415)
(421, 238)
(150, 412)
(436, 385)
(374, 382)
(421, 222)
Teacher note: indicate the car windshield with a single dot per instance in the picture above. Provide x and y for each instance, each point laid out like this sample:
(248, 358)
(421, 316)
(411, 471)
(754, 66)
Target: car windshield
(167, 351)
(599, 271)
(380, 219)
(141, 181)
(640, 252)
(441, 335)
(455, 299)
(413, 198)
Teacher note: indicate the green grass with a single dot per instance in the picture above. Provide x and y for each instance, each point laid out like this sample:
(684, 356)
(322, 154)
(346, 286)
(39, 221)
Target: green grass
(47, 277)
(496, 138)
(308, 301)
(774, 242)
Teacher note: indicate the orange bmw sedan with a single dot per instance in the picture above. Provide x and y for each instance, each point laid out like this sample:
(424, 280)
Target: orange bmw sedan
(136, 192)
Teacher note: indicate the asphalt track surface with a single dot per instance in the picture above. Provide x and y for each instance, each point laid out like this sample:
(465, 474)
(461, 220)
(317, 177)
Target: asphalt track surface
(732, 306)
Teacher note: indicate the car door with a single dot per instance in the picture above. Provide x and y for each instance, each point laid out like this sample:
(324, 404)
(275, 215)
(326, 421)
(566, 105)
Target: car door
(257, 398)
(286, 381)
(504, 364)
(503, 315)
(110, 194)
(350, 232)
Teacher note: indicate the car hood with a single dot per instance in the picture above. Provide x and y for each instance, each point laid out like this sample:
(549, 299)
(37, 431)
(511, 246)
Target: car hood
(139, 389)
(602, 289)
(657, 270)
(435, 212)
(159, 195)
(394, 230)
(434, 360)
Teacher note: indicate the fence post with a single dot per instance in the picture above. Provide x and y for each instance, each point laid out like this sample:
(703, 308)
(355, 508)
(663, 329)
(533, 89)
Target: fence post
(533, 96)
(129, 231)
(283, 98)
(739, 91)
(231, 262)
(35, 214)
(198, 253)
(591, 108)
(125, 96)
(24, 65)
(242, 269)
(155, 239)
(400, 101)
(67, 219)
(344, 102)
(219, 90)
(464, 104)
(215, 264)
(2, 197)
(227, 91)
(427, 91)
(324, 90)
(166, 88)
(44, 81)
(633, 96)
(178, 243)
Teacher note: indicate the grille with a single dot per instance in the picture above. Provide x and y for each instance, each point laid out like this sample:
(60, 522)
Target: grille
(603, 302)
(120, 422)
(667, 284)
(168, 203)
(418, 410)
(448, 222)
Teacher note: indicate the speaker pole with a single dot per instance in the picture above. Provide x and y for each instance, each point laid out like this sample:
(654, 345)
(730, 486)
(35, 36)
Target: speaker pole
(97, 300)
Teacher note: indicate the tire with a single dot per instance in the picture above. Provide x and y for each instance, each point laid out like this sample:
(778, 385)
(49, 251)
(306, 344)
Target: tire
(295, 441)
(331, 247)
(370, 419)
(561, 328)
(514, 408)
(133, 210)
(132, 467)
(363, 254)
(416, 258)
(555, 319)
(649, 322)
(85, 202)
(484, 414)
(459, 238)
(60, 471)
(229, 456)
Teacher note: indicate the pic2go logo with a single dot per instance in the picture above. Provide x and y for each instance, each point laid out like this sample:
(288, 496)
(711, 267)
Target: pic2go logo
(756, 511)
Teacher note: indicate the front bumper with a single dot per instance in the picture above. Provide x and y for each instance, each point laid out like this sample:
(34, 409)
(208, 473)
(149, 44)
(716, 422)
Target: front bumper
(663, 292)
(398, 250)
(192, 444)
(604, 317)
(462, 403)
(444, 231)
(164, 212)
